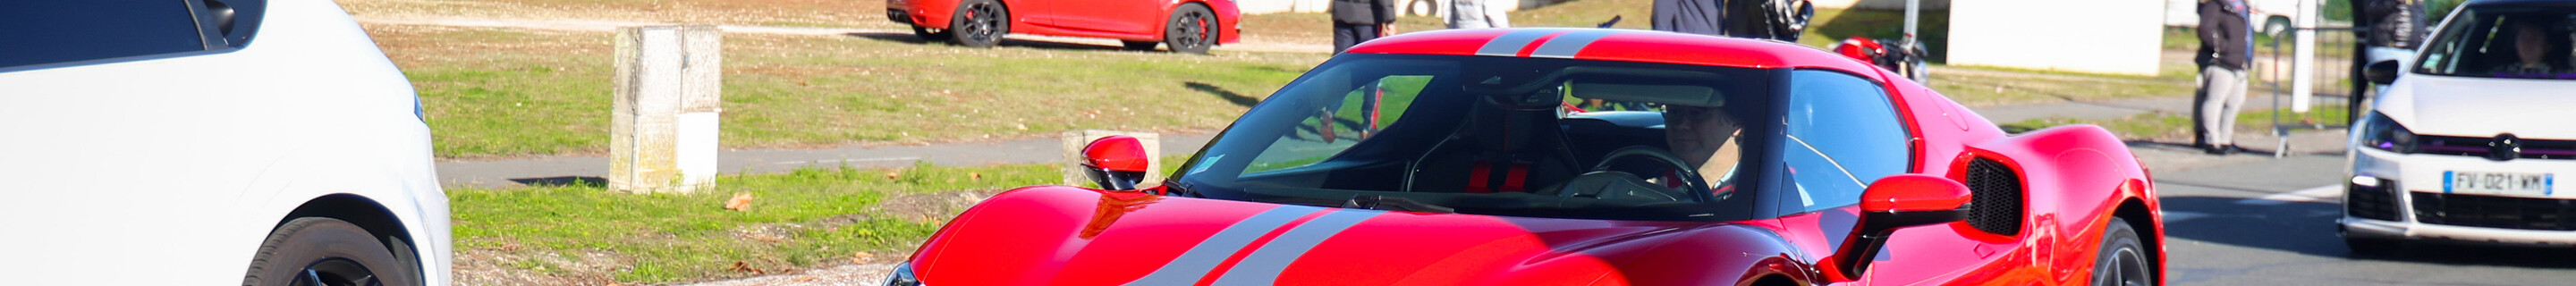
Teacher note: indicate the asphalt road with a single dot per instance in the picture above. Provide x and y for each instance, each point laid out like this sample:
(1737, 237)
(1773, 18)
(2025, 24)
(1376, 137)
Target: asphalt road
(2271, 222)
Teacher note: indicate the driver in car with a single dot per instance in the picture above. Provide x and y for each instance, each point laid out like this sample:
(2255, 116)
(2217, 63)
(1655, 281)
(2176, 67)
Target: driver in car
(1702, 137)
(2531, 49)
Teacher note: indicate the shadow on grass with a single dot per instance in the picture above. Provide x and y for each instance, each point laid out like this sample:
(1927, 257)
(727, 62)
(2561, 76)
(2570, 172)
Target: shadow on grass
(570, 181)
(2309, 228)
(1220, 92)
(1006, 42)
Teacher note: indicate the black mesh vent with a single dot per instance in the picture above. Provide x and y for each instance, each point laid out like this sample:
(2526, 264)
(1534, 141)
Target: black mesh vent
(2371, 202)
(1996, 206)
(2495, 211)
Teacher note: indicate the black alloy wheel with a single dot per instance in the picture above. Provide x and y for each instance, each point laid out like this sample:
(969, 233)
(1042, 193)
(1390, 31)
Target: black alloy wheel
(928, 34)
(980, 23)
(315, 251)
(1192, 29)
(2122, 260)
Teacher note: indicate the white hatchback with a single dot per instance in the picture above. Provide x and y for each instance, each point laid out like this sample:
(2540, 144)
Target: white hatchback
(2468, 141)
(210, 142)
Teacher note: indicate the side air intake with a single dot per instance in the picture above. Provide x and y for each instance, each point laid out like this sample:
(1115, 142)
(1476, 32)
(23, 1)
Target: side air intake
(1997, 203)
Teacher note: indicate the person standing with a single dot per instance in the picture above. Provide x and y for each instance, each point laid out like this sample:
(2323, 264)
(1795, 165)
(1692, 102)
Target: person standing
(2226, 49)
(2383, 27)
(1476, 14)
(1356, 21)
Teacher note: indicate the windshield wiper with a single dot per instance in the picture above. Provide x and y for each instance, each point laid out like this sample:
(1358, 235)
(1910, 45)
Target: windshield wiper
(1390, 203)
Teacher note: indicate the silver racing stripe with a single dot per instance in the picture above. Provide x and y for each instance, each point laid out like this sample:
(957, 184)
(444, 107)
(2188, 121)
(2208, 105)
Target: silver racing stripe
(1510, 44)
(1196, 262)
(1564, 46)
(1262, 267)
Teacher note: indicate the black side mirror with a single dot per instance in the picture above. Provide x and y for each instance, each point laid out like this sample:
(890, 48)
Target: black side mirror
(1891, 203)
(2382, 72)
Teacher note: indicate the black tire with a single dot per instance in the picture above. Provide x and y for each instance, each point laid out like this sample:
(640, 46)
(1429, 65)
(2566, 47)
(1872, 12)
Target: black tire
(328, 250)
(927, 35)
(980, 23)
(2372, 246)
(1191, 29)
(2122, 259)
(1140, 45)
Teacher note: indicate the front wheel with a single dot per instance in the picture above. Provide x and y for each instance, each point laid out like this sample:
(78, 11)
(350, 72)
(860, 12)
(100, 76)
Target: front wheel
(2122, 260)
(1192, 29)
(980, 23)
(326, 252)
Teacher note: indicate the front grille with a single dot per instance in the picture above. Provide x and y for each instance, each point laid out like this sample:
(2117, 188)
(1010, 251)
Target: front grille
(2371, 202)
(2479, 147)
(2495, 211)
(898, 16)
(1995, 203)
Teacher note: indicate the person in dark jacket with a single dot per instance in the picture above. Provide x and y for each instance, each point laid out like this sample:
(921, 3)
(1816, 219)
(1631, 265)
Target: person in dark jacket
(1753, 19)
(1356, 21)
(2226, 49)
(2379, 24)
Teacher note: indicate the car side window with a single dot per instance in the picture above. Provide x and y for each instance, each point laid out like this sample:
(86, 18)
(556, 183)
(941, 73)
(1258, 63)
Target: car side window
(45, 32)
(1360, 113)
(1842, 134)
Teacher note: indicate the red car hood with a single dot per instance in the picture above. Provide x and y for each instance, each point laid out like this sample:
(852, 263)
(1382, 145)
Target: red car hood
(1072, 236)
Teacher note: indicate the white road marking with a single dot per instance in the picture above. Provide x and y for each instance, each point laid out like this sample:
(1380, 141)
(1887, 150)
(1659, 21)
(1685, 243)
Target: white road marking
(2319, 193)
(2173, 216)
(850, 160)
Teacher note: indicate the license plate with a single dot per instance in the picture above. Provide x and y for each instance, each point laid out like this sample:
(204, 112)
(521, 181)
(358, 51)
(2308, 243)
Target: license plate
(2519, 184)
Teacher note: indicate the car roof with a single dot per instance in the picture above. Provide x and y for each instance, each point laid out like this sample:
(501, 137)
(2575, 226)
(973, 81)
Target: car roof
(1615, 45)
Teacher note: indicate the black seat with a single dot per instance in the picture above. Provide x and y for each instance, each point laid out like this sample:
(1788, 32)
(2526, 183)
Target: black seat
(1498, 150)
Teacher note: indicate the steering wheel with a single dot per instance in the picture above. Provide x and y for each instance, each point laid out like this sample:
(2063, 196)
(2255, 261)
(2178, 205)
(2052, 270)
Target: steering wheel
(1600, 182)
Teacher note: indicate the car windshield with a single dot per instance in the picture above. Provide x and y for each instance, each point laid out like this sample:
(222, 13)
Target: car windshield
(2504, 42)
(1500, 136)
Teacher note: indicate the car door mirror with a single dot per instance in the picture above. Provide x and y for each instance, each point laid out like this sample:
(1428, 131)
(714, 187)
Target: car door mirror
(1115, 162)
(2382, 72)
(1891, 203)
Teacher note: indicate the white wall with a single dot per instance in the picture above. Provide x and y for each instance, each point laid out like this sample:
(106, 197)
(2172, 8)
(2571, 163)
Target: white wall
(2096, 36)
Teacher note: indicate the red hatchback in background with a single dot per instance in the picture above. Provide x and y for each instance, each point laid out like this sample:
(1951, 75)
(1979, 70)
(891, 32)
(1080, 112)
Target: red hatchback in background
(1190, 26)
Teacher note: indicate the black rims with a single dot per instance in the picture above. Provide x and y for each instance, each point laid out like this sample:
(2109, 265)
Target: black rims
(1192, 30)
(316, 251)
(980, 23)
(2122, 260)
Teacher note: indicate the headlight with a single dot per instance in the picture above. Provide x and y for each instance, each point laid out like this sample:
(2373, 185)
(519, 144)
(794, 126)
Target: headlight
(902, 276)
(2379, 132)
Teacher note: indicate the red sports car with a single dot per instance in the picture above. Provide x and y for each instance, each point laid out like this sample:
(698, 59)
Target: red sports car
(1583, 157)
(1190, 26)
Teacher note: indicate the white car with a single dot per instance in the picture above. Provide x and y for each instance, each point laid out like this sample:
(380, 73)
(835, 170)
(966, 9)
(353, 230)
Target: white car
(210, 142)
(2467, 142)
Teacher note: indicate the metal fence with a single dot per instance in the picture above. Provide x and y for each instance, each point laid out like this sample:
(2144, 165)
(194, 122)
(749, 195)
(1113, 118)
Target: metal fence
(2323, 101)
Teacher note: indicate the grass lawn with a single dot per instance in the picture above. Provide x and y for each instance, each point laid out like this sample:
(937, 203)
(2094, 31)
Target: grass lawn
(500, 92)
(800, 220)
(2177, 126)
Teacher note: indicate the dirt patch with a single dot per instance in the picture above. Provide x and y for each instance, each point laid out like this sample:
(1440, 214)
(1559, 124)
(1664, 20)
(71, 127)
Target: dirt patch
(503, 267)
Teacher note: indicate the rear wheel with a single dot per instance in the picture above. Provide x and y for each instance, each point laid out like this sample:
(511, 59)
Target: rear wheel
(980, 23)
(318, 251)
(2122, 260)
(1192, 29)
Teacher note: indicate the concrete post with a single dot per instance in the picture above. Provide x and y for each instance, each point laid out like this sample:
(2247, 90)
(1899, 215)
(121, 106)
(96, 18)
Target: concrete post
(1073, 160)
(662, 136)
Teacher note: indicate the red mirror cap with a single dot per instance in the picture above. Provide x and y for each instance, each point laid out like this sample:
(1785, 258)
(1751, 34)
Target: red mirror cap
(1116, 153)
(1913, 192)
